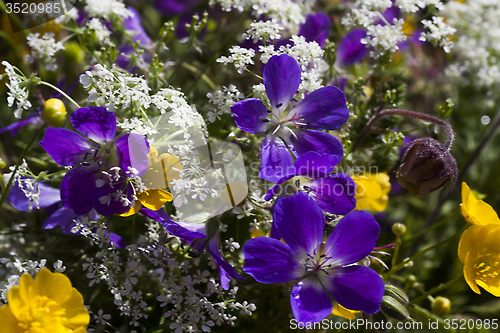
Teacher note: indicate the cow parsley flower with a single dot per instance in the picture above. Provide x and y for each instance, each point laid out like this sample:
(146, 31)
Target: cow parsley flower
(16, 93)
(44, 48)
(105, 8)
(46, 304)
(263, 31)
(324, 270)
(322, 109)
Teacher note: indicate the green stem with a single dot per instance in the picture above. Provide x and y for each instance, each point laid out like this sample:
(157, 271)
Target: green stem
(437, 225)
(442, 286)
(19, 162)
(424, 251)
(396, 252)
(61, 92)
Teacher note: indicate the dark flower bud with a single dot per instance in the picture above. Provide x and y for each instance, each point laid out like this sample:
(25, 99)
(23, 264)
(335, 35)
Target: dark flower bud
(427, 166)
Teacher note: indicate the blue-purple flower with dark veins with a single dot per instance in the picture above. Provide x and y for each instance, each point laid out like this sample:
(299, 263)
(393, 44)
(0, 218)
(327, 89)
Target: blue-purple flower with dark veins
(99, 179)
(289, 123)
(324, 269)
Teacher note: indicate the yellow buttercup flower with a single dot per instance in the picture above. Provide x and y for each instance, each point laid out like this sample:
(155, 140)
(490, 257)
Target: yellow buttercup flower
(476, 211)
(372, 191)
(339, 310)
(161, 171)
(479, 251)
(47, 304)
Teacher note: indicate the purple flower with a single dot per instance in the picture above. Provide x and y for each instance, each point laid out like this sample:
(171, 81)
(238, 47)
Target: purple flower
(99, 180)
(316, 28)
(322, 109)
(333, 193)
(62, 217)
(324, 269)
(350, 49)
(198, 235)
(133, 25)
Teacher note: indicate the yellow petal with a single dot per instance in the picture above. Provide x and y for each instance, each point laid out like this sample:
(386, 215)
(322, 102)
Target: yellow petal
(154, 199)
(371, 191)
(133, 209)
(9, 323)
(76, 314)
(483, 214)
(339, 310)
(257, 233)
(470, 275)
(55, 286)
(19, 297)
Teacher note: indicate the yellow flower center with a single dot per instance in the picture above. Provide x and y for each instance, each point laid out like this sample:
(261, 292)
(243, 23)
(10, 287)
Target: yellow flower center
(43, 315)
(485, 271)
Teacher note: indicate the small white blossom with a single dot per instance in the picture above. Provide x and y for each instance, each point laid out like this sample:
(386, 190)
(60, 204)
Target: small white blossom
(439, 32)
(16, 93)
(102, 33)
(240, 57)
(105, 8)
(263, 30)
(44, 48)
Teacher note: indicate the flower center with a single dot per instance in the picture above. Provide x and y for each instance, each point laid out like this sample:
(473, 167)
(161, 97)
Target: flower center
(42, 315)
(486, 271)
(318, 262)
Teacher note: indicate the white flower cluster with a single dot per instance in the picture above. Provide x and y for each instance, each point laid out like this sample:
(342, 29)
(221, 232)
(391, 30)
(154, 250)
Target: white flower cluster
(263, 30)
(44, 48)
(105, 8)
(413, 6)
(222, 101)
(71, 14)
(439, 32)
(290, 13)
(16, 93)
(477, 43)
(24, 179)
(384, 38)
(138, 126)
(240, 57)
(102, 33)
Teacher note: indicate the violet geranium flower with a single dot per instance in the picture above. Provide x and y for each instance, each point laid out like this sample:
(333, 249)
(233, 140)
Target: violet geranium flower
(322, 109)
(99, 180)
(324, 269)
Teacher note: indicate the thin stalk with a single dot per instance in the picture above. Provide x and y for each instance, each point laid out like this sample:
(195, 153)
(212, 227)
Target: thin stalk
(442, 286)
(424, 251)
(60, 91)
(19, 162)
(406, 113)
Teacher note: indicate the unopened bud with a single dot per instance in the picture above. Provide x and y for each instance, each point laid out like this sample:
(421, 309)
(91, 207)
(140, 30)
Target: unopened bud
(392, 308)
(54, 112)
(397, 294)
(427, 166)
(2, 164)
(398, 229)
(441, 306)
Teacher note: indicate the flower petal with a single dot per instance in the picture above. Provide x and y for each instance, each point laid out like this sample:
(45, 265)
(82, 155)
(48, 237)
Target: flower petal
(315, 28)
(320, 142)
(75, 315)
(315, 165)
(107, 200)
(352, 239)
(47, 197)
(300, 222)
(55, 286)
(310, 302)
(10, 324)
(251, 115)
(132, 150)
(63, 218)
(224, 267)
(282, 79)
(64, 146)
(95, 123)
(270, 261)
(133, 25)
(334, 194)
(77, 188)
(350, 49)
(154, 199)
(276, 159)
(323, 109)
(356, 288)
(182, 230)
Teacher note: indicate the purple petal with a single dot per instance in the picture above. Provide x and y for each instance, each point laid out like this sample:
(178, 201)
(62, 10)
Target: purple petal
(251, 115)
(77, 188)
(32, 118)
(300, 222)
(119, 241)
(390, 14)
(48, 196)
(315, 28)
(315, 165)
(282, 80)
(323, 143)
(122, 60)
(182, 230)
(105, 200)
(132, 150)
(357, 288)
(64, 146)
(350, 49)
(133, 23)
(63, 218)
(352, 239)
(276, 159)
(270, 261)
(213, 249)
(323, 109)
(174, 7)
(334, 194)
(310, 302)
(95, 123)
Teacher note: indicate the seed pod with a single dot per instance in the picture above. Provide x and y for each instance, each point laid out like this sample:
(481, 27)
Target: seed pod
(54, 112)
(397, 294)
(392, 308)
(427, 166)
